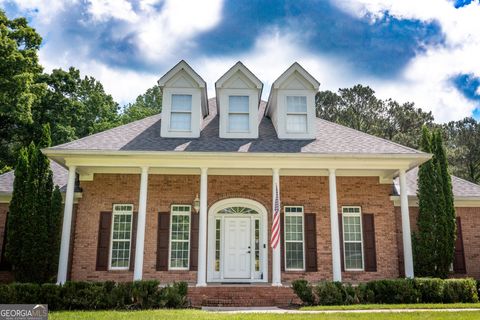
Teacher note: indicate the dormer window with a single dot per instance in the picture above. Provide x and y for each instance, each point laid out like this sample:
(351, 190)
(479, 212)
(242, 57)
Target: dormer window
(181, 114)
(238, 98)
(291, 104)
(238, 114)
(184, 102)
(297, 114)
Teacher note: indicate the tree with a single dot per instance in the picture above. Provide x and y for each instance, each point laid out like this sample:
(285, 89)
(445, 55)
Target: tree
(434, 241)
(75, 106)
(35, 215)
(19, 90)
(147, 104)
(360, 109)
(463, 141)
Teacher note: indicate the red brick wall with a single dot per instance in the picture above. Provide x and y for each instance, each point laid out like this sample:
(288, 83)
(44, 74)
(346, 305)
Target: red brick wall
(164, 190)
(470, 219)
(5, 276)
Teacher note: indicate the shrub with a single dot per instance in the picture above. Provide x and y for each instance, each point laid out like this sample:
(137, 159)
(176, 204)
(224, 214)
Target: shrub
(363, 294)
(460, 290)
(97, 295)
(431, 289)
(304, 291)
(394, 291)
(329, 293)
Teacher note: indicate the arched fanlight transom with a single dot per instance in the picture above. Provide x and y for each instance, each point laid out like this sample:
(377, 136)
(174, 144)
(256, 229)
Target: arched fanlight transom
(237, 210)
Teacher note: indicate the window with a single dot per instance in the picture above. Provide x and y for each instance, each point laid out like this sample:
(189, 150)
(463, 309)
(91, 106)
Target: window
(238, 114)
(294, 246)
(180, 237)
(352, 238)
(297, 114)
(181, 115)
(121, 236)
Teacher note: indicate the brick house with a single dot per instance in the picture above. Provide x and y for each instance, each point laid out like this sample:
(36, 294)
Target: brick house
(189, 194)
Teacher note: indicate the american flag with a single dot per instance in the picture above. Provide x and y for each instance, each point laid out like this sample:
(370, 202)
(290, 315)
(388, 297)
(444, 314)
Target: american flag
(276, 221)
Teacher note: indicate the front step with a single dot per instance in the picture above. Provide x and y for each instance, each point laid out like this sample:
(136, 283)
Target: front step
(241, 296)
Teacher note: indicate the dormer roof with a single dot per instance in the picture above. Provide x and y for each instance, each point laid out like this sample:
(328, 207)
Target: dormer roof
(182, 75)
(248, 81)
(297, 70)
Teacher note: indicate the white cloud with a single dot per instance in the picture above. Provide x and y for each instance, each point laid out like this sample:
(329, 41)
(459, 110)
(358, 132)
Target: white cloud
(426, 80)
(102, 10)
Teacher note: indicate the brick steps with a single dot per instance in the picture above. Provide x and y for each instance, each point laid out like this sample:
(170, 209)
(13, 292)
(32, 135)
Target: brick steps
(241, 296)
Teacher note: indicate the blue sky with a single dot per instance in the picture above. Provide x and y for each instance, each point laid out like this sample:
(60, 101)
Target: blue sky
(422, 51)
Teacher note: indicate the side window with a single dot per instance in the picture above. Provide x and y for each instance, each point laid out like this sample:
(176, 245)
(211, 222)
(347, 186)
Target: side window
(238, 114)
(294, 238)
(121, 236)
(181, 114)
(180, 237)
(296, 114)
(352, 238)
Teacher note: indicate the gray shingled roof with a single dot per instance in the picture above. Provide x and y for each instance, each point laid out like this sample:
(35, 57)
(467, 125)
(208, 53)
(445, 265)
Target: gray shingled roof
(60, 177)
(144, 135)
(461, 188)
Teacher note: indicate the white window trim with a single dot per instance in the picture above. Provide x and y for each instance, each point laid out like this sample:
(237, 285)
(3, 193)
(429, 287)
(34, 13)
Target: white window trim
(287, 113)
(240, 113)
(224, 130)
(111, 235)
(195, 118)
(181, 112)
(353, 214)
(294, 214)
(179, 213)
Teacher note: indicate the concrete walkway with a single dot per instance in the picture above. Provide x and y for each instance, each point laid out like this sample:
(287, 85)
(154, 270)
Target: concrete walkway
(280, 310)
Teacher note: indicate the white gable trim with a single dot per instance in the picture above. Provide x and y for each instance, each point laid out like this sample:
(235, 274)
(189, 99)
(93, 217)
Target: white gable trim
(298, 68)
(182, 65)
(239, 67)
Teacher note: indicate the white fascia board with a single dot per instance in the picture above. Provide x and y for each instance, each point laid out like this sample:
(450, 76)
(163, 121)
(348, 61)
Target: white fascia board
(459, 202)
(182, 65)
(239, 66)
(296, 67)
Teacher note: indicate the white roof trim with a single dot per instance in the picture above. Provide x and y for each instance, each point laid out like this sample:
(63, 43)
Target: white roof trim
(239, 66)
(182, 65)
(296, 67)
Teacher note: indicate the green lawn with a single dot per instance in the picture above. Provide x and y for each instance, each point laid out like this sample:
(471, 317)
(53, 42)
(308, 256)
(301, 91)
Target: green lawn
(397, 306)
(204, 315)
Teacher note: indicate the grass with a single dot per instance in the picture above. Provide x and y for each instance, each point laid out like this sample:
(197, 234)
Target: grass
(203, 315)
(397, 306)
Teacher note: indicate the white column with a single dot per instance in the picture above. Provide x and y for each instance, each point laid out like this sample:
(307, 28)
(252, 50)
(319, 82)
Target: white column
(67, 227)
(202, 230)
(141, 220)
(276, 254)
(334, 229)
(407, 240)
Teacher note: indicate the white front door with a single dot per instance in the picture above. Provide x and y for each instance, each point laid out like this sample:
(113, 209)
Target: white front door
(237, 251)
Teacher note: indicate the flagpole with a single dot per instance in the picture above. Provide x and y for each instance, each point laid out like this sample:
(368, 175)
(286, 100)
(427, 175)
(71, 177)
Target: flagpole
(275, 244)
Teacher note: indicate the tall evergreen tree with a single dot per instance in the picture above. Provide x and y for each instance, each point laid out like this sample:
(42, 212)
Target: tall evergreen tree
(34, 217)
(435, 239)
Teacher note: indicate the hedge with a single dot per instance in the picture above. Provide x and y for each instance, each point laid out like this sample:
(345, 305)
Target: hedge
(97, 295)
(395, 291)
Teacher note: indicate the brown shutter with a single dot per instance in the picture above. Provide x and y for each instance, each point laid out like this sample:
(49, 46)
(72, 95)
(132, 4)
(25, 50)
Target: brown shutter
(133, 242)
(282, 241)
(163, 238)
(369, 248)
(104, 240)
(194, 242)
(459, 257)
(340, 231)
(311, 242)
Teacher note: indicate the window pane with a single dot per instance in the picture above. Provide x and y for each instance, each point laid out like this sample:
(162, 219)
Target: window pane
(238, 122)
(121, 237)
(181, 102)
(294, 255)
(217, 245)
(180, 121)
(238, 104)
(296, 104)
(180, 237)
(353, 255)
(296, 122)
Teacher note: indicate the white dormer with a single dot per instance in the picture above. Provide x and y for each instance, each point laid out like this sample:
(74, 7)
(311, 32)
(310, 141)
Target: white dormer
(291, 104)
(238, 98)
(184, 102)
